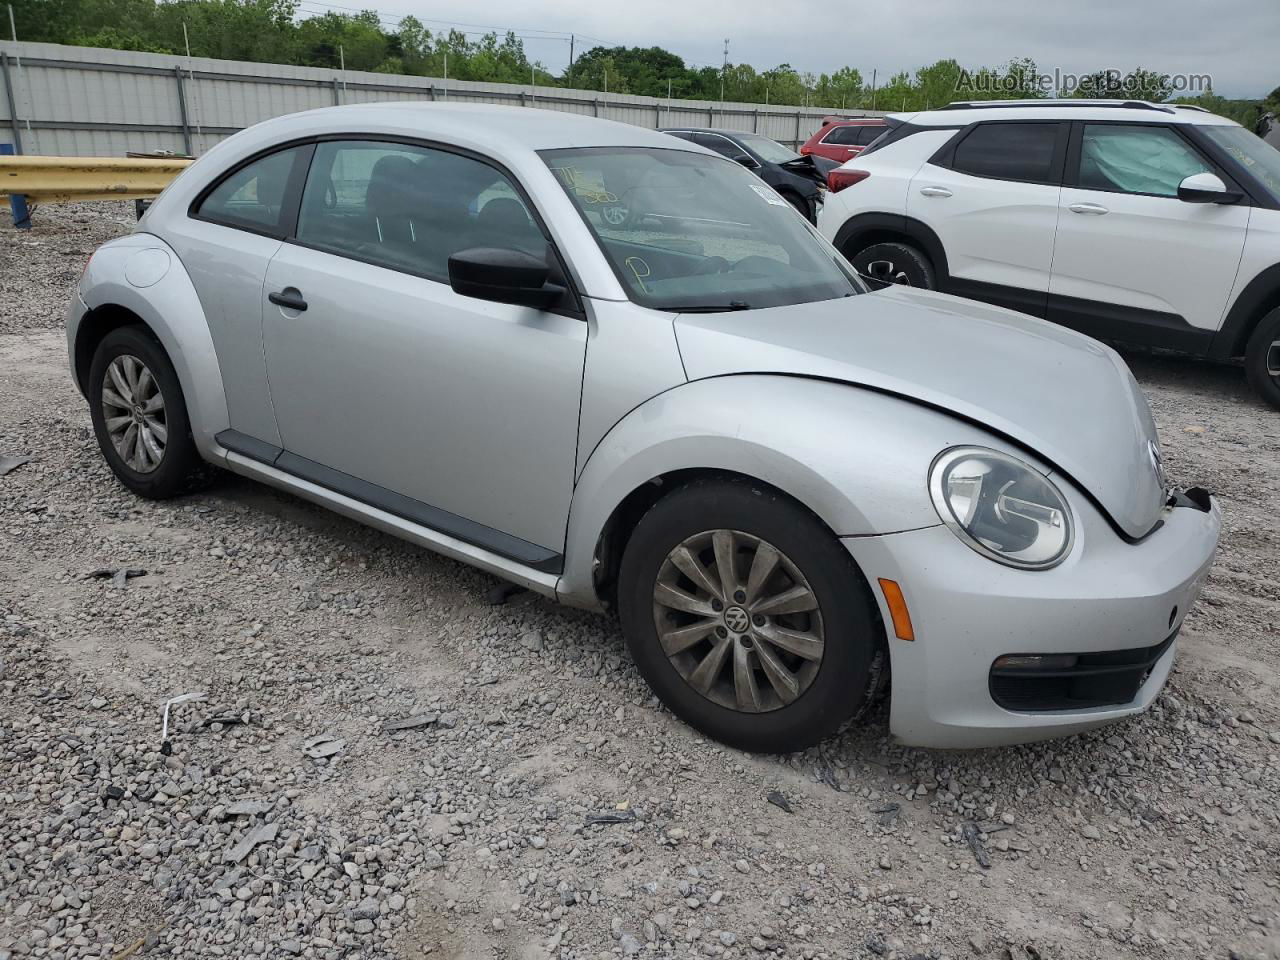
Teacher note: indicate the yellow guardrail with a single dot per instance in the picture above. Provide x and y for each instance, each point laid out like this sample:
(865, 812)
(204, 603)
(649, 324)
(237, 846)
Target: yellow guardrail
(72, 179)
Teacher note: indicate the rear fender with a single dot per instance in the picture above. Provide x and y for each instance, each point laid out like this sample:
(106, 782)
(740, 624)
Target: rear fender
(132, 273)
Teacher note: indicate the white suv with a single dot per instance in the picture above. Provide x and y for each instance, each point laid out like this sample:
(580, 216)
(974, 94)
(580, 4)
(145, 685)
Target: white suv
(1127, 220)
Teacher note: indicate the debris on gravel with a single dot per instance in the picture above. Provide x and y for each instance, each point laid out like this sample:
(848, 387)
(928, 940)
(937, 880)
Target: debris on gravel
(399, 757)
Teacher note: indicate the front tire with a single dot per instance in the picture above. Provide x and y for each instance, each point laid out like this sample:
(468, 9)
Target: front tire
(140, 415)
(1262, 358)
(883, 264)
(746, 616)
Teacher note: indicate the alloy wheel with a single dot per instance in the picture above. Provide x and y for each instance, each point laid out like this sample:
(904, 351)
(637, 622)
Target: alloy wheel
(134, 414)
(738, 621)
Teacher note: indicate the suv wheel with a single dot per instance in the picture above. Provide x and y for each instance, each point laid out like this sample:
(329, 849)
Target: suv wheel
(1262, 358)
(140, 416)
(747, 617)
(882, 264)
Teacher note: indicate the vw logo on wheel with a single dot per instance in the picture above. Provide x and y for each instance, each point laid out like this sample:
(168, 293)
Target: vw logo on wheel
(737, 619)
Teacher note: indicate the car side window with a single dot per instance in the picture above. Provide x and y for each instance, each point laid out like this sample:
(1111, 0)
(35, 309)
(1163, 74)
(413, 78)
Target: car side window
(868, 133)
(721, 145)
(410, 208)
(843, 136)
(1009, 151)
(1136, 159)
(253, 197)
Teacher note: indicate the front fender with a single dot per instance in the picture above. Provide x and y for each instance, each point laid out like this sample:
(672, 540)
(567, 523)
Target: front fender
(856, 458)
(129, 273)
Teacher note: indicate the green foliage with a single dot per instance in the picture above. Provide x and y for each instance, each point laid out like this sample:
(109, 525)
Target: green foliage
(270, 31)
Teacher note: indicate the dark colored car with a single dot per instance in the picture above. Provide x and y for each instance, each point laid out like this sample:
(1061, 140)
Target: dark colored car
(800, 180)
(841, 140)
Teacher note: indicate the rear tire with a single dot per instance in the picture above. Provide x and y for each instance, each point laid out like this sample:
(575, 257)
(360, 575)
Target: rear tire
(717, 667)
(883, 264)
(1262, 358)
(140, 416)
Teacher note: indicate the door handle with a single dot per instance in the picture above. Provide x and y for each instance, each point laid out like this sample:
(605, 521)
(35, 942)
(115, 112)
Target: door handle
(1096, 209)
(934, 192)
(290, 298)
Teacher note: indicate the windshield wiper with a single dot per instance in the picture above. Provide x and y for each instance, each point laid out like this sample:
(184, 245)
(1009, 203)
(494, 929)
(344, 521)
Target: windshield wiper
(710, 307)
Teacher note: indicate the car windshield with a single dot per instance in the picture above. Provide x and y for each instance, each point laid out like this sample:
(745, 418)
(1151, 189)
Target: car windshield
(771, 151)
(692, 232)
(1253, 153)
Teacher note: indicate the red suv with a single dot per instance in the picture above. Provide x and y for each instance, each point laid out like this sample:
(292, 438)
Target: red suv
(839, 139)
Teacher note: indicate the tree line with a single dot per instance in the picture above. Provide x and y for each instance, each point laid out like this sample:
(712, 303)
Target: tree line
(272, 31)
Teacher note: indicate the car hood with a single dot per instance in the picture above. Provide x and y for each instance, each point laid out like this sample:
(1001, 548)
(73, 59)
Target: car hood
(1065, 397)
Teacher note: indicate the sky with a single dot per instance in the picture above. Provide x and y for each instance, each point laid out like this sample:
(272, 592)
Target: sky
(1234, 41)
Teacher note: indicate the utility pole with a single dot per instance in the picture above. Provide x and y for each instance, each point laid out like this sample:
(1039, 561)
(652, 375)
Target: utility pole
(571, 59)
(606, 81)
(668, 100)
(17, 59)
(873, 88)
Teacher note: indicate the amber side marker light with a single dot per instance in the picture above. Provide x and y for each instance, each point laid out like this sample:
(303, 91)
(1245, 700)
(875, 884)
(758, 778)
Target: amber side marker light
(897, 609)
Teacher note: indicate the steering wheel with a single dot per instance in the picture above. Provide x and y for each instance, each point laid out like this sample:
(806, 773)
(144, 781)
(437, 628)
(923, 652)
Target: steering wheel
(711, 265)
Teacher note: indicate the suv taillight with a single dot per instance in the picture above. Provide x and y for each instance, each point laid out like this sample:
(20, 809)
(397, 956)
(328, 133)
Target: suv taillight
(840, 178)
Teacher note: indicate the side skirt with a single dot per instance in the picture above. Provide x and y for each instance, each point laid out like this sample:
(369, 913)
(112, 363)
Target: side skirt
(1104, 321)
(534, 576)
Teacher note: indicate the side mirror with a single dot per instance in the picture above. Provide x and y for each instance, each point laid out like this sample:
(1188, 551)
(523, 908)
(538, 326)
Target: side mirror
(745, 160)
(1206, 188)
(503, 276)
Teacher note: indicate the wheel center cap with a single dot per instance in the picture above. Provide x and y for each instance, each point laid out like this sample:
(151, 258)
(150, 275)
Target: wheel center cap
(737, 619)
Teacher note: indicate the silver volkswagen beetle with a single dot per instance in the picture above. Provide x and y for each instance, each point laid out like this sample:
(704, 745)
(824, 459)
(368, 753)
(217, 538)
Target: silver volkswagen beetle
(792, 493)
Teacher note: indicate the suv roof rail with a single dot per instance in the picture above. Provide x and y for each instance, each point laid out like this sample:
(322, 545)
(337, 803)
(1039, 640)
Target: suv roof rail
(1191, 106)
(1113, 104)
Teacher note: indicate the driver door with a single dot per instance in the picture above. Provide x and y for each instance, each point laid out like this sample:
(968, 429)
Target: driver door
(454, 412)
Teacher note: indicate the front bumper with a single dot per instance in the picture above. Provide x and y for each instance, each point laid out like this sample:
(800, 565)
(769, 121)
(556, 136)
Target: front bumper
(967, 611)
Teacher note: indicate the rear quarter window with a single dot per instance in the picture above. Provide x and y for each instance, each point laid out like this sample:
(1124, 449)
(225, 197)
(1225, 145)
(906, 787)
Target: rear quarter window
(1024, 152)
(257, 196)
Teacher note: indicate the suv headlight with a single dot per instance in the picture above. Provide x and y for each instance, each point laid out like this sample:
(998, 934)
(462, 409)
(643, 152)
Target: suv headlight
(1001, 507)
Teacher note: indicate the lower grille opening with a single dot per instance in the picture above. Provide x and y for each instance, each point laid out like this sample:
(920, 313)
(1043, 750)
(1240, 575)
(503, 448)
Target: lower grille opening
(1037, 682)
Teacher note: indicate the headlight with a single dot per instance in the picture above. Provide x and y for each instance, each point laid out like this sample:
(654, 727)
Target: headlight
(1001, 507)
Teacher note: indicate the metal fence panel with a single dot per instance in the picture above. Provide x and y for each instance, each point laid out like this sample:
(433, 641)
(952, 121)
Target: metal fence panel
(86, 101)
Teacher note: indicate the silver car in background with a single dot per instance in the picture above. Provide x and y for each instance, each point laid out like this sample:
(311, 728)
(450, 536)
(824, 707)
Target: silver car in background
(788, 489)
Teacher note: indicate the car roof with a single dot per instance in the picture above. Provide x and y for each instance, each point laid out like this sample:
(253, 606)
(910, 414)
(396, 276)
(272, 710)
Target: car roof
(720, 130)
(485, 126)
(963, 113)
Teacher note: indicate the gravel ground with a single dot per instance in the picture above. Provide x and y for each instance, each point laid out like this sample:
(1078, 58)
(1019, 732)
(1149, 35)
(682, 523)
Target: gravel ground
(539, 803)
